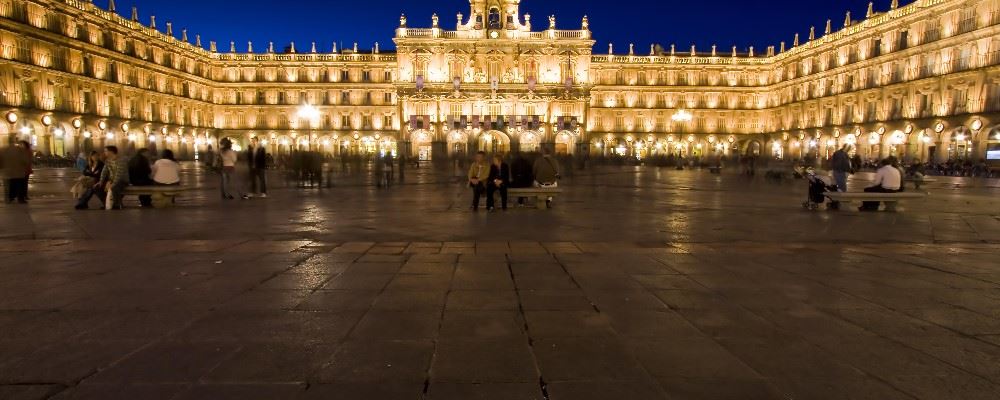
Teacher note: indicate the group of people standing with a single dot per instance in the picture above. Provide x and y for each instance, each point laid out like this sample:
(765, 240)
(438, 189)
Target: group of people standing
(105, 175)
(496, 177)
(256, 159)
(16, 164)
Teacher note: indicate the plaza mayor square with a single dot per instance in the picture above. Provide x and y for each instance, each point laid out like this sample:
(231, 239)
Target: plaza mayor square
(500, 200)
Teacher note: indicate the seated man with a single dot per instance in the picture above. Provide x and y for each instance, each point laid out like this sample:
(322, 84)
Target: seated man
(114, 178)
(546, 172)
(887, 180)
(520, 175)
(139, 172)
(479, 173)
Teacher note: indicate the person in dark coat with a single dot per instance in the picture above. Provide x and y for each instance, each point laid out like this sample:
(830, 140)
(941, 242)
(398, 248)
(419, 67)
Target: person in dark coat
(14, 165)
(521, 176)
(139, 172)
(498, 181)
(257, 161)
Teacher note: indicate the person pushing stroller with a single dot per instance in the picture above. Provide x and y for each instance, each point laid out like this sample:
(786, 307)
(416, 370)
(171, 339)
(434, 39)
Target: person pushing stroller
(818, 187)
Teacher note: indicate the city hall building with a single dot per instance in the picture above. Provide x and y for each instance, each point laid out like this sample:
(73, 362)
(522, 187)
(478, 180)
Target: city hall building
(920, 81)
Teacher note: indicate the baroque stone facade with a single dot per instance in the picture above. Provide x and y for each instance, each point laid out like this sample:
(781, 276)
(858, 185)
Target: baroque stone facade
(920, 81)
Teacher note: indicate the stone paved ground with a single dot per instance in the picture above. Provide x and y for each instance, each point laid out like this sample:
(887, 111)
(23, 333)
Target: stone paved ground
(641, 284)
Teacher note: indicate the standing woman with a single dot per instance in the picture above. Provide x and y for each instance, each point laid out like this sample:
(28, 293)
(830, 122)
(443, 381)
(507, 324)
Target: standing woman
(227, 160)
(498, 180)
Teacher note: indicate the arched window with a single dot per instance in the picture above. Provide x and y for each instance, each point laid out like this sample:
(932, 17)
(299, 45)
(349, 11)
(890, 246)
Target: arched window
(494, 18)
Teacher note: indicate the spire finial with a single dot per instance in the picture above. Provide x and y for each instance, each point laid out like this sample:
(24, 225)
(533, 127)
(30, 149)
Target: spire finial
(734, 50)
(184, 35)
(292, 49)
(673, 49)
(170, 29)
(812, 33)
(135, 14)
(376, 47)
(795, 42)
(552, 22)
(434, 20)
(652, 49)
(847, 20)
(197, 40)
(782, 48)
(894, 5)
(751, 51)
(871, 9)
(232, 47)
(152, 21)
(585, 25)
(213, 47)
(713, 51)
(270, 47)
(249, 47)
(334, 48)
(355, 47)
(611, 49)
(631, 49)
(402, 20)
(313, 50)
(693, 52)
(111, 6)
(829, 27)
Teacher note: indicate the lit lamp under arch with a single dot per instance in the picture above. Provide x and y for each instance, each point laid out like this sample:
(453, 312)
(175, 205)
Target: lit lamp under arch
(102, 125)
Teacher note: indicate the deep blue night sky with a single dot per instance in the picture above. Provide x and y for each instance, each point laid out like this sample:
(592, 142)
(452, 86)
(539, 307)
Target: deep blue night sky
(723, 22)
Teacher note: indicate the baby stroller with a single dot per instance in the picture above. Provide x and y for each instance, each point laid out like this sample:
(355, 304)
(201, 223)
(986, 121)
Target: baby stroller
(818, 187)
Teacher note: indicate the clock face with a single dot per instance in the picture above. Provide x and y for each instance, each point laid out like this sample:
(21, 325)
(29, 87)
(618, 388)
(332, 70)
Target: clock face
(494, 34)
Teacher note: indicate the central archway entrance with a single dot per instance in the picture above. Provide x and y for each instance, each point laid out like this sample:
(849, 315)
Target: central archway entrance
(493, 142)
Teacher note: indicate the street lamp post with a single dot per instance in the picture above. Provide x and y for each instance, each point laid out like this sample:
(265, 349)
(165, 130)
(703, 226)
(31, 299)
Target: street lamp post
(12, 120)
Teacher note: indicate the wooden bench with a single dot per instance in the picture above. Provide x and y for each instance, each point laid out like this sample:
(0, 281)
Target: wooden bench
(163, 196)
(541, 194)
(890, 199)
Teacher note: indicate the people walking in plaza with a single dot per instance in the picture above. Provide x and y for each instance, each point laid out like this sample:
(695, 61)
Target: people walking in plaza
(521, 176)
(227, 163)
(840, 163)
(89, 182)
(257, 161)
(114, 178)
(166, 170)
(497, 183)
(479, 173)
(15, 164)
(887, 180)
(139, 172)
(546, 172)
(841, 166)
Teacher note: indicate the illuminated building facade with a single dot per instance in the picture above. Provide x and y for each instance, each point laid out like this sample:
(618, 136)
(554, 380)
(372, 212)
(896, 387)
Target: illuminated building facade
(920, 81)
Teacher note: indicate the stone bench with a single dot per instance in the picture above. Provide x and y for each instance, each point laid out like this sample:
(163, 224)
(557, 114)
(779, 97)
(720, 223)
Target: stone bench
(890, 199)
(541, 194)
(163, 196)
(919, 181)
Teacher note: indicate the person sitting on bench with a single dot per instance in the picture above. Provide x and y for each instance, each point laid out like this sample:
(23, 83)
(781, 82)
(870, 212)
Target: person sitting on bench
(546, 172)
(887, 180)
